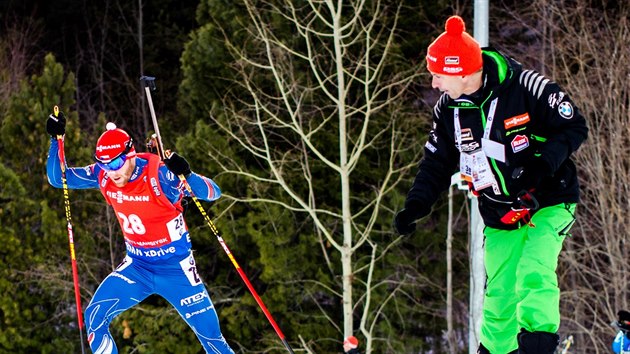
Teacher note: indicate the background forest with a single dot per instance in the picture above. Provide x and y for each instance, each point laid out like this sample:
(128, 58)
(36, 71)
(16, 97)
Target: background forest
(311, 116)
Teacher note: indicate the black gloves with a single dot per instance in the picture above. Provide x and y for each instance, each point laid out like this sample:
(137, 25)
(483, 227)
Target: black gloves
(177, 164)
(405, 219)
(528, 177)
(56, 125)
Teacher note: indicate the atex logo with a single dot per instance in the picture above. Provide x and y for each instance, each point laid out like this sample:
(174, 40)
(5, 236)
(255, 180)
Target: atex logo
(107, 147)
(194, 299)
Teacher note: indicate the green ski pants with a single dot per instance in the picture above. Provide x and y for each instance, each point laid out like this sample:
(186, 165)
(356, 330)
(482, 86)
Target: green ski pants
(522, 285)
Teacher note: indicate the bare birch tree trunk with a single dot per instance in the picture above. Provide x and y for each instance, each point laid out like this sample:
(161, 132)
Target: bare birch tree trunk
(344, 47)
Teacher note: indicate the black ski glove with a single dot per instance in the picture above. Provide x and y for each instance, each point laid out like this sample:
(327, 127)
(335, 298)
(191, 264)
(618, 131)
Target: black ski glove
(528, 177)
(56, 125)
(405, 219)
(177, 164)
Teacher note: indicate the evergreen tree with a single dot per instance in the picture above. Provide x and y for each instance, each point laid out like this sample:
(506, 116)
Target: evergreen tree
(38, 311)
(294, 262)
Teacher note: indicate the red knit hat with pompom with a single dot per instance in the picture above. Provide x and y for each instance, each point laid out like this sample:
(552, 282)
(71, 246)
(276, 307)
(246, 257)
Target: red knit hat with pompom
(454, 52)
(113, 143)
(351, 342)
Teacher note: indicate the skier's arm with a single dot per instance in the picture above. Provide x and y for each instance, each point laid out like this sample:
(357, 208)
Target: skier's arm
(76, 177)
(202, 187)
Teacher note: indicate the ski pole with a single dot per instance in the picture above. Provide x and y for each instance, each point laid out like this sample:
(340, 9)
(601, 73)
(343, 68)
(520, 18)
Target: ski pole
(66, 201)
(149, 85)
(240, 271)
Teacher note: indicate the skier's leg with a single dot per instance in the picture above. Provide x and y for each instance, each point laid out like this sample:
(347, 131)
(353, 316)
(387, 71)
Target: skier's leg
(122, 289)
(184, 289)
(499, 326)
(538, 311)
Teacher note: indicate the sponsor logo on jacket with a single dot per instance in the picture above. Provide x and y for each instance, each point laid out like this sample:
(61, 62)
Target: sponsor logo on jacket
(120, 197)
(520, 143)
(554, 99)
(150, 253)
(154, 185)
(566, 110)
(516, 121)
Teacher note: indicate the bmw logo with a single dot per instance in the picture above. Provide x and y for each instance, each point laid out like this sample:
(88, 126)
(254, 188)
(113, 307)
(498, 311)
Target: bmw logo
(566, 110)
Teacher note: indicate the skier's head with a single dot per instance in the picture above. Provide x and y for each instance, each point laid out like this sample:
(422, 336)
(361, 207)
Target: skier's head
(350, 343)
(113, 147)
(454, 52)
(623, 321)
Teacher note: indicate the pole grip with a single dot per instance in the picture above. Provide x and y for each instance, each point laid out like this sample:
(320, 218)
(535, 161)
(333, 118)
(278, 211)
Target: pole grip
(148, 82)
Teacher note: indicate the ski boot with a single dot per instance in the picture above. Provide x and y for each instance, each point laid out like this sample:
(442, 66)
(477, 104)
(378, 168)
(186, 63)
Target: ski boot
(537, 342)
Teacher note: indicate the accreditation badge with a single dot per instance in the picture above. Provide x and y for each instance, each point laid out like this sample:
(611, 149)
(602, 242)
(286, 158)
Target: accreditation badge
(475, 168)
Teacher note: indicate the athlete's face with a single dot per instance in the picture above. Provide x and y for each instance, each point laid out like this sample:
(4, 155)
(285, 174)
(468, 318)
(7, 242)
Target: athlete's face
(452, 85)
(121, 176)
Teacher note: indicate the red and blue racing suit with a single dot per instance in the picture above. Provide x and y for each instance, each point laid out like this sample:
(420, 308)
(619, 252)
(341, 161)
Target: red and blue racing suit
(159, 257)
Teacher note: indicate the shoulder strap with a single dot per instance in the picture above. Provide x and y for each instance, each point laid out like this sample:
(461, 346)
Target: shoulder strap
(103, 179)
(154, 179)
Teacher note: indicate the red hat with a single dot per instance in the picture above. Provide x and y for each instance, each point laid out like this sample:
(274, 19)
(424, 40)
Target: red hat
(351, 341)
(113, 143)
(454, 52)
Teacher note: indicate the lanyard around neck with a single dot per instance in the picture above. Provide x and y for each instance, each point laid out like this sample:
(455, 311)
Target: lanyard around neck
(487, 129)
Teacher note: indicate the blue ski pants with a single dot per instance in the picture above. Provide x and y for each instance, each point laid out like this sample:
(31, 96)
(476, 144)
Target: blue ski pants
(133, 281)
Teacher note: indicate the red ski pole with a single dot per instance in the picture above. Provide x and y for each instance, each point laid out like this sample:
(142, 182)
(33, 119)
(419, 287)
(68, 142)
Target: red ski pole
(215, 231)
(66, 199)
(148, 83)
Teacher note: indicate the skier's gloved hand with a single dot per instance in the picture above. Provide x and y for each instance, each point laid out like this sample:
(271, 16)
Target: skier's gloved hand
(405, 219)
(56, 125)
(528, 176)
(177, 164)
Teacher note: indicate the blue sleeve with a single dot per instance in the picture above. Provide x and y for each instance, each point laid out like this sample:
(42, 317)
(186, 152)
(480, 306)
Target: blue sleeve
(203, 187)
(616, 345)
(76, 177)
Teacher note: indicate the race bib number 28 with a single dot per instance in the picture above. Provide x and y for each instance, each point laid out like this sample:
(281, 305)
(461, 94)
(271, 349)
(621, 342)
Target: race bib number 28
(132, 224)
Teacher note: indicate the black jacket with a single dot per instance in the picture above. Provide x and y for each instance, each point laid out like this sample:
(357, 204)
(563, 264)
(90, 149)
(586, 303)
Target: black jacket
(534, 119)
